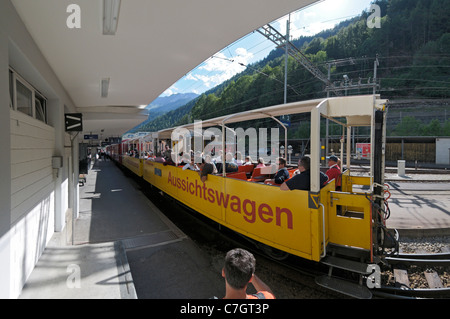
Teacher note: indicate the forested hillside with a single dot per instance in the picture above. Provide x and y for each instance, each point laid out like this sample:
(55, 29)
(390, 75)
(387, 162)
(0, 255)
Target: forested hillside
(412, 45)
(161, 106)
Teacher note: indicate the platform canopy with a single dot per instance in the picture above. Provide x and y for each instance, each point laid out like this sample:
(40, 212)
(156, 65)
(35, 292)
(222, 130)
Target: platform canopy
(156, 43)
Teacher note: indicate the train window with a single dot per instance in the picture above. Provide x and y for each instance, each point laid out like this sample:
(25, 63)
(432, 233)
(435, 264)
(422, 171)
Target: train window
(24, 99)
(351, 212)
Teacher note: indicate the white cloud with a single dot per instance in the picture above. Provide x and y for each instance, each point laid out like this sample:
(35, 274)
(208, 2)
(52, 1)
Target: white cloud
(221, 68)
(302, 23)
(191, 77)
(321, 16)
(171, 90)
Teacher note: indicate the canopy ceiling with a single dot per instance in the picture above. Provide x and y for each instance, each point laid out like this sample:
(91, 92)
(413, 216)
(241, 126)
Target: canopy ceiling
(156, 43)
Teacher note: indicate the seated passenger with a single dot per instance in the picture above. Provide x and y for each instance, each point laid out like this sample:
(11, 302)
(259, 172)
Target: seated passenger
(248, 161)
(170, 162)
(192, 166)
(302, 181)
(238, 157)
(159, 158)
(209, 160)
(334, 172)
(230, 166)
(205, 169)
(281, 175)
(167, 153)
(260, 163)
(185, 158)
(218, 158)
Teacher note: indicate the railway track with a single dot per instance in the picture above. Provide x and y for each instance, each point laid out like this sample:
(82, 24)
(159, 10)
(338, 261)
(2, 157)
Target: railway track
(421, 275)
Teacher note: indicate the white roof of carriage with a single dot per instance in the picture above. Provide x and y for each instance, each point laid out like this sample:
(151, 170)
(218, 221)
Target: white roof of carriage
(357, 110)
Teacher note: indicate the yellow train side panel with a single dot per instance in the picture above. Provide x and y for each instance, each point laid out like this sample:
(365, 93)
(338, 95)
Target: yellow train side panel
(348, 181)
(353, 227)
(277, 218)
(133, 164)
(317, 228)
(206, 198)
(187, 187)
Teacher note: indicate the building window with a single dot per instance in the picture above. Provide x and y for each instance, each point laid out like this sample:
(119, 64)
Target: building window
(41, 107)
(11, 89)
(26, 99)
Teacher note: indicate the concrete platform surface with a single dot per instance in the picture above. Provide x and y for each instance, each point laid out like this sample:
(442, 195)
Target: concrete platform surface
(90, 271)
(420, 208)
(419, 203)
(124, 248)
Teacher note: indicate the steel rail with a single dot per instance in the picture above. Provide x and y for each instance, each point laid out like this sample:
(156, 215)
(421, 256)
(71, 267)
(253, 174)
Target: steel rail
(417, 261)
(406, 292)
(424, 256)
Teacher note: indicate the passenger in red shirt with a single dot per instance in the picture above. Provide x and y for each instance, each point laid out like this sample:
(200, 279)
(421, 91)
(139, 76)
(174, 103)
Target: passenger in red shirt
(239, 271)
(334, 171)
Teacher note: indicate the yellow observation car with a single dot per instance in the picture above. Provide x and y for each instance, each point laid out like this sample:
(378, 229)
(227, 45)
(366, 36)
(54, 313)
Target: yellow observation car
(319, 224)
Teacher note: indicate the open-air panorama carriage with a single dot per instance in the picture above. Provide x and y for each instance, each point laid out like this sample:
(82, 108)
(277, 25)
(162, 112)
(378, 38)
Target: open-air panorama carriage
(342, 228)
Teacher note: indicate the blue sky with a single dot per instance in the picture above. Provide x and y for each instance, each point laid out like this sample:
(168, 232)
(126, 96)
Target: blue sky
(254, 47)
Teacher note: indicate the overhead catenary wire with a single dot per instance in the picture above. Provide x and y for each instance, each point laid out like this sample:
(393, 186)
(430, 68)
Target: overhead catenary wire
(257, 44)
(258, 71)
(299, 95)
(311, 80)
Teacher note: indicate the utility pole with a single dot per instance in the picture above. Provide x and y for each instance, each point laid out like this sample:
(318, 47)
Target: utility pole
(375, 64)
(276, 37)
(286, 58)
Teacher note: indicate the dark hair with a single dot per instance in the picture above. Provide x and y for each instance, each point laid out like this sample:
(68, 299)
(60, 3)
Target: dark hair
(239, 267)
(305, 162)
(282, 161)
(333, 158)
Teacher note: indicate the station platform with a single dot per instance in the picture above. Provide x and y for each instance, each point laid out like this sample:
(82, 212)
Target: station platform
(420, 204)
(124, 248)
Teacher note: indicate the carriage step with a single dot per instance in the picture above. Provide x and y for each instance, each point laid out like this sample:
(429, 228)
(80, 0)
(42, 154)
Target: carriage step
(346, 264)
(345, 287)
(354, 252)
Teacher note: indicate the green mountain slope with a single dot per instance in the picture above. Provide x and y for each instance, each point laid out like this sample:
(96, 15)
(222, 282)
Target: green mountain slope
(412, 46)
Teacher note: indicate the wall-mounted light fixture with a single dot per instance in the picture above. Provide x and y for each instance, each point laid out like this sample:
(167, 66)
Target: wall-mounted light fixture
(110, 16)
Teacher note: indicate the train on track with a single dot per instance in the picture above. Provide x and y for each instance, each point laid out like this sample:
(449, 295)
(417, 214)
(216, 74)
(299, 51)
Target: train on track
(343, 228)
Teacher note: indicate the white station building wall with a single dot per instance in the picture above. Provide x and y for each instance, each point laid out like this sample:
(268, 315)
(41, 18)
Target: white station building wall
(34, 195)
